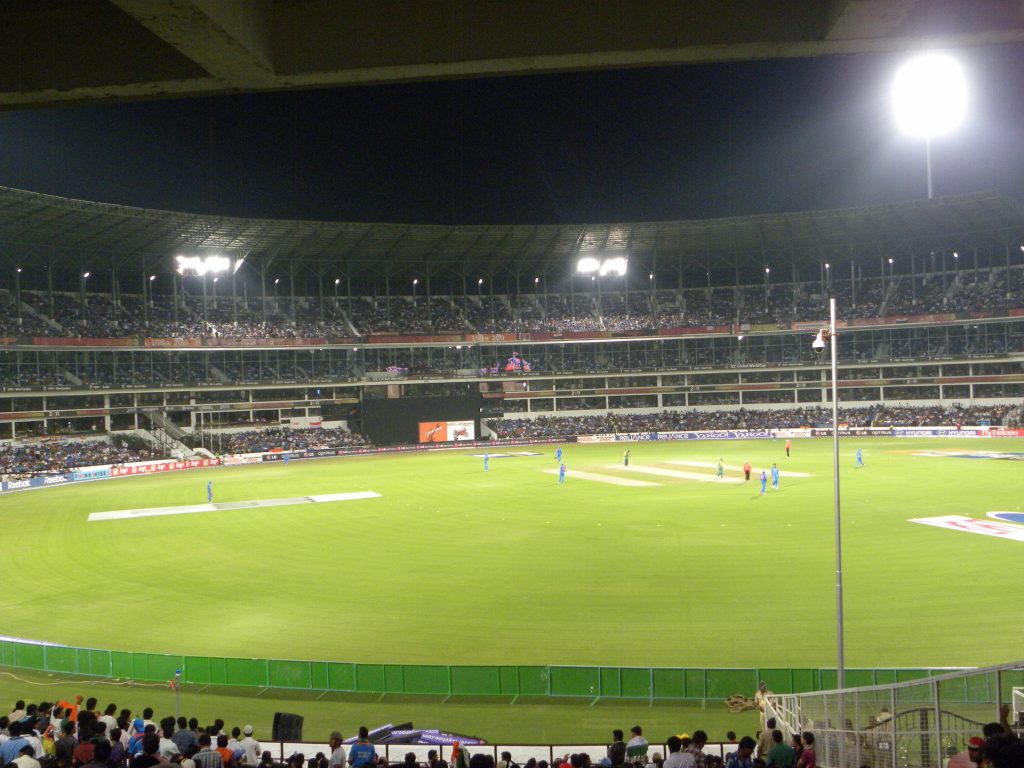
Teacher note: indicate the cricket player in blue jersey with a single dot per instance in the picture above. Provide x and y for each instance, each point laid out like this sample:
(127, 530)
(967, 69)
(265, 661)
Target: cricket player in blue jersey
(286, 457)
(764, 482)
(775, 477)
(561, 474)
(558, 454)
(860, 459)
(209, 491)
(486, 460)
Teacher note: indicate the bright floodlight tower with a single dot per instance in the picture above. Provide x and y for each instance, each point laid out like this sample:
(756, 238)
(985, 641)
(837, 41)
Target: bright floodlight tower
(929, 96)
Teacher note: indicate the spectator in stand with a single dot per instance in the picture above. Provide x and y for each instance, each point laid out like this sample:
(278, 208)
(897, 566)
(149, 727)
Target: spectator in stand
(781, 755)
(65, 745)
(227, 755)
(696, 747)
(11, 748)
(26, 758)
(337, 744)
(207, 757)
(808, 758)
(743, 756)
(676, 758)
(617, 749)
(764, 739)
(250, 747)
(362, 752)
(168, 750)
(183, 737)
(150, 754)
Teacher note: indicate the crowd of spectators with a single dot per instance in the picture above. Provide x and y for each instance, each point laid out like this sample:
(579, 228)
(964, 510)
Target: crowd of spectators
(53, 456)
(287, 439)
(744, 418)
(246, 317)
(70, 734)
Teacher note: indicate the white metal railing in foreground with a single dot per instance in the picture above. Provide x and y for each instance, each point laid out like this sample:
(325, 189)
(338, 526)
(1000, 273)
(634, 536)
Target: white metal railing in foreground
(910, 724)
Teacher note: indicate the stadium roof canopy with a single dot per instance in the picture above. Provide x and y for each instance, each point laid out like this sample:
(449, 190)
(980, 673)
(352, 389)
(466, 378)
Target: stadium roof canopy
(66, 51)
(68, 235)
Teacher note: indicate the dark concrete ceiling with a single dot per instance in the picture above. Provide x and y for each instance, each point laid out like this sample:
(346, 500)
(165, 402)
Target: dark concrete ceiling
(66, 51)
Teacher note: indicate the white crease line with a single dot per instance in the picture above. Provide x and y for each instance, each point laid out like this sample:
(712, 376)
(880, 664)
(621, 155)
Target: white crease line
(738, 468)
(678, 474)
(597, 478)
(125, 514)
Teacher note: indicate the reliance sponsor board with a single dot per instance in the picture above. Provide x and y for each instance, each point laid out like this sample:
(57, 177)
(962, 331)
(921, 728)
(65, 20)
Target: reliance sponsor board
(244, 458)
(152, 467)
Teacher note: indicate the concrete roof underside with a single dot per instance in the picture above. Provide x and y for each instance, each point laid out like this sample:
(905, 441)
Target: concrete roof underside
(67, 51)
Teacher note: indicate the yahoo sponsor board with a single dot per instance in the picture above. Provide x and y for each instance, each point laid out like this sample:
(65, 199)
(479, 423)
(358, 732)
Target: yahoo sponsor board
(716, 434)
(998, 529)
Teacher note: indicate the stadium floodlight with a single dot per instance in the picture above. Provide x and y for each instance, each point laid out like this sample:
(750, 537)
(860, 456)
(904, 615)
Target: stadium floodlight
(929, 96)
(152, 278)
(587, 264)
(201, 265)
(828, 336)
(614, 266)
(85, 275)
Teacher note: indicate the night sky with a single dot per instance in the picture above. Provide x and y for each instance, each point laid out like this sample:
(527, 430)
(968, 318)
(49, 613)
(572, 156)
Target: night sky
(693, 141)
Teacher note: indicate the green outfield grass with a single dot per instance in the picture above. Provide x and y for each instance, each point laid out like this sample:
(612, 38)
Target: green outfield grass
(455, 565)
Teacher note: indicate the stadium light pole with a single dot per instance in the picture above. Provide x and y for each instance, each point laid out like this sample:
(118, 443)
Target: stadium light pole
(17, 293)
(85, 277)
(415, 282)
(833, 344)
(829, 335)
(929, 95)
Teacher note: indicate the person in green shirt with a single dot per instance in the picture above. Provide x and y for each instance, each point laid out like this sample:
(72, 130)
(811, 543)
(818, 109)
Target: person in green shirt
(781, 755)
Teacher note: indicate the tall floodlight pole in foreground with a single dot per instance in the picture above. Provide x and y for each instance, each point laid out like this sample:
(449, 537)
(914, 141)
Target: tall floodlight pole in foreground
(829, 336)
(929, 96)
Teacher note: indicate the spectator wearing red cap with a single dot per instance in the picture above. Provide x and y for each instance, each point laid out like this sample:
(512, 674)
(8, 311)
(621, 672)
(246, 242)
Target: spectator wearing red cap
(970, 757)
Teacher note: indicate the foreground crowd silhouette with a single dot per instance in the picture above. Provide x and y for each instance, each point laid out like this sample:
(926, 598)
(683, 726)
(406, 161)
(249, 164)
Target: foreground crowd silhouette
(70, 734)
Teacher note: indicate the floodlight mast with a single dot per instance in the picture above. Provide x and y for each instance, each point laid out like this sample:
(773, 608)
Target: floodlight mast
(840, 654)
(930, 99)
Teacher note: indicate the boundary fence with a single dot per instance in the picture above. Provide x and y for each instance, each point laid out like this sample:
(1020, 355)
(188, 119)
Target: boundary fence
(652, 683)
(918, 723)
